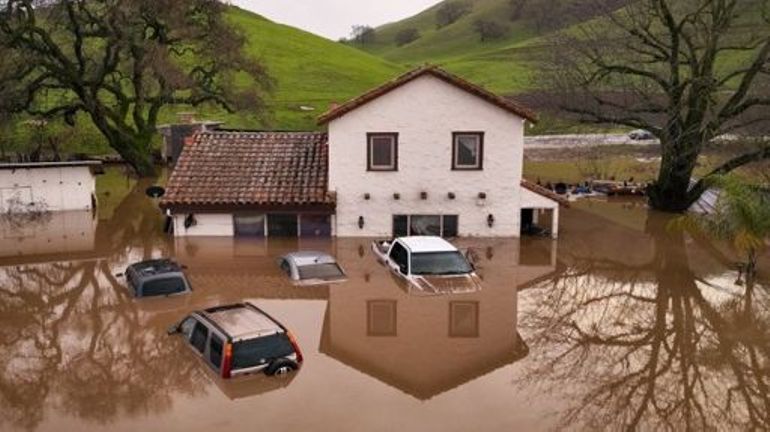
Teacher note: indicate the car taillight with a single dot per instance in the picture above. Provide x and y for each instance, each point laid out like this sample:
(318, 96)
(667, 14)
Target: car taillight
(295, 345)
(227, 363)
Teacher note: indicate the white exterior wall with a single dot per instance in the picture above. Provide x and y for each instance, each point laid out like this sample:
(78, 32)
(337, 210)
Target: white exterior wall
(425, 113)
(59, 188)
(208, 225)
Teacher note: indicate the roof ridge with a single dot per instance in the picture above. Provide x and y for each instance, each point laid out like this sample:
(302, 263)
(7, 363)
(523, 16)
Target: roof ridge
(452, 79)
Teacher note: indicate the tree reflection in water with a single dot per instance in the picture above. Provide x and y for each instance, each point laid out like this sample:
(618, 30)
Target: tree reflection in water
(649, 346)
(72, 337)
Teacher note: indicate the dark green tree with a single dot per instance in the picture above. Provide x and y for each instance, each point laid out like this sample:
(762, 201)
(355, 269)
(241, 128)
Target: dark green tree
(121, 62)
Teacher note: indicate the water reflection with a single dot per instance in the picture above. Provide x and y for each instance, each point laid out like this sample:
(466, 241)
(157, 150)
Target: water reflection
(622, 324)
(421, 345)
(638, 338)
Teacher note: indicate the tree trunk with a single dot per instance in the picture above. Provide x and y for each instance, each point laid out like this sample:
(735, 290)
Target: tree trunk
(136, 153)
(671, 191)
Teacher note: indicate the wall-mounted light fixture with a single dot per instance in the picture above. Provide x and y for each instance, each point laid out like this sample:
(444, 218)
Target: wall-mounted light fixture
(491, 220)
(361, 222)
(423, 195)
(451, 195)
(482, 195)
(367, 196)
(396, 196)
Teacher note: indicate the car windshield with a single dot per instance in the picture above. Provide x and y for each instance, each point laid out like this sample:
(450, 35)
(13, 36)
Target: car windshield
(440, 263)
(329, 271)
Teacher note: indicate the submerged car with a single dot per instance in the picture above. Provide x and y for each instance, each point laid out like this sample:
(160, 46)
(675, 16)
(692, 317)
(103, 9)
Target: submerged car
(240, 339)
(432, 265)
(157, 278)
(312, 268)
(641, 135)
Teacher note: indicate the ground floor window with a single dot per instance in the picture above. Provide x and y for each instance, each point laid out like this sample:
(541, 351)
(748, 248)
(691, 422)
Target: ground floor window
(288, 225)
(315, 225)
(249, 225)
(425, 225)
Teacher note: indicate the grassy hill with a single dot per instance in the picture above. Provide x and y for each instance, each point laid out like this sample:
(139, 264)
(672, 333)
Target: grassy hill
(496, 64)
(309, 70)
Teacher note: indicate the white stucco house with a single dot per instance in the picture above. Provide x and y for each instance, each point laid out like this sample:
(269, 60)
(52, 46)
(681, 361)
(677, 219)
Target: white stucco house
(427, 153)
(48, 186)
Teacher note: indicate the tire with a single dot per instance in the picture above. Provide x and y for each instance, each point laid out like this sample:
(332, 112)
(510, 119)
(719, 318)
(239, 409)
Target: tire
(281, 367)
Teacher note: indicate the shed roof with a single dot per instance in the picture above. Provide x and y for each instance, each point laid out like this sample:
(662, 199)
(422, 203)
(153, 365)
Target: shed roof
(226, 169)
(536, 188)
(434, 71)
(64, 164)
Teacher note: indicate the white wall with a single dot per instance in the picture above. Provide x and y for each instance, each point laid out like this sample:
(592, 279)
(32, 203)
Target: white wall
(425, 112)
(208, 225)
(60, 188)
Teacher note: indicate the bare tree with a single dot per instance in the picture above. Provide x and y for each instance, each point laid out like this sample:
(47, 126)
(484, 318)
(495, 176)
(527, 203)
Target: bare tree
(686, 71)
(407, 36)
(363, 35)
(120, 62)
(451, 11)
(489, 29)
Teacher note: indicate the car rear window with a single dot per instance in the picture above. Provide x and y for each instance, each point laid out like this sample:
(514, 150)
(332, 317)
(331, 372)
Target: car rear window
(163, 287)
(254, 352)
(320, 271)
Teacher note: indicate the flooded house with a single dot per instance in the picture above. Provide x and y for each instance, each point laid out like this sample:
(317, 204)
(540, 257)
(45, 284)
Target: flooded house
(48, 186)
(427, 153)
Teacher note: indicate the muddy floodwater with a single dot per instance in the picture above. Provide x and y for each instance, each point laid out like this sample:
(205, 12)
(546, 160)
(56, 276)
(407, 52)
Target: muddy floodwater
(621, 324)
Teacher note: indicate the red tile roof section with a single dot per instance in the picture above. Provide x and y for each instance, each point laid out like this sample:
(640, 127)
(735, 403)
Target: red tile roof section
(227, 170)
(536, 188)
(504, 103)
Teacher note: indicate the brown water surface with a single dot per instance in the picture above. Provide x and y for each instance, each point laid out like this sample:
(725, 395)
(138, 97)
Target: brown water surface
(620, 324)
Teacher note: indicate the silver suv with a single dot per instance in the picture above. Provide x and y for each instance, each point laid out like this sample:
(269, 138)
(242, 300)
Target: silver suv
(240, 339)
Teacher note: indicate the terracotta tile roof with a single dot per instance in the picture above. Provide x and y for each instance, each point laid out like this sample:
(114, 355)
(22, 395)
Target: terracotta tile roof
(434, 71)
(536, 188)
(251, 169)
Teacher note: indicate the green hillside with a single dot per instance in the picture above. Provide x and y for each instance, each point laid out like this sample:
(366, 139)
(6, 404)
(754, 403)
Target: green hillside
(309, 71)
(497, 64)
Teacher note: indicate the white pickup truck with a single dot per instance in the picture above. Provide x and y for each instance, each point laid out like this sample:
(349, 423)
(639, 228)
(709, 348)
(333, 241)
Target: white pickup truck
(430, 265)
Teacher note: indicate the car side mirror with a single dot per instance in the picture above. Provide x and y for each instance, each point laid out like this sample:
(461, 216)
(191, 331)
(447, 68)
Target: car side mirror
(173, 329)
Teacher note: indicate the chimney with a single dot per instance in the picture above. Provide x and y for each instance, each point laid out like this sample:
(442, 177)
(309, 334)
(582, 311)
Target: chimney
(334, 105)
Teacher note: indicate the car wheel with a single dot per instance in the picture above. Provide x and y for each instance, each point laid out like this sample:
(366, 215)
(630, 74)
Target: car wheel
(281, 367)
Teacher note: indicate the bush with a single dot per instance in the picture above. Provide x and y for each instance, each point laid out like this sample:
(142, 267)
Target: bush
(489, 30)
(451, 11)
(407, 36)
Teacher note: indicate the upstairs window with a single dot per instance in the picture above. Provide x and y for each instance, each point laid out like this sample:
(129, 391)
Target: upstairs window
(468, 151)
(382, 152)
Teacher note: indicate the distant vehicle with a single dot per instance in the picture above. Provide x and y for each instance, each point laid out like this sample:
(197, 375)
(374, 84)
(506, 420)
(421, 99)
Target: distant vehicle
(641, 135)
(432, 265)
(239, 340)
(157, 278)
(311, 268)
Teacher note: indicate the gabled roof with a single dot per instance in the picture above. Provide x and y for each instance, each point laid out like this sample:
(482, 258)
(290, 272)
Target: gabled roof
(536, 188)
(230, 170)
(436, 72)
